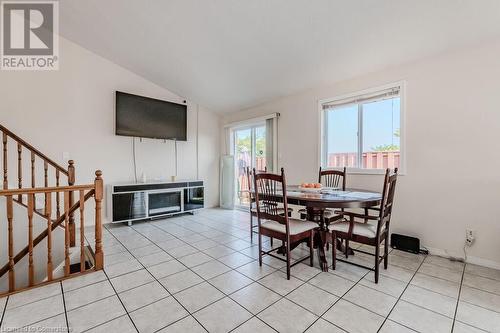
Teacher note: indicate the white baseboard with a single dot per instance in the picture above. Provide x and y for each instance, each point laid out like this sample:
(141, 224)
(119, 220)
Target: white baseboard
(470, 259)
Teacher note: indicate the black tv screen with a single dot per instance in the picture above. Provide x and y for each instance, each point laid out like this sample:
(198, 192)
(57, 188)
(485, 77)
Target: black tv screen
(150, 118)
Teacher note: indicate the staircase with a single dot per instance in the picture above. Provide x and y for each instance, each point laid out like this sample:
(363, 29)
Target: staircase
(52, 208)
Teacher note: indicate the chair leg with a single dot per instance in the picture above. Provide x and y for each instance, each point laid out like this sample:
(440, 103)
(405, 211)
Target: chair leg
(377, 262)
(260, 249)
(287, 260)
(271, 242)
(346, 248)
(251, 228)
(386, 252)
(334, 250)
(311, 249)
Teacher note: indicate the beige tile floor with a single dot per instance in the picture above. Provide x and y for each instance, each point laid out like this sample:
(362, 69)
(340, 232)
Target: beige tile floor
(198, 273)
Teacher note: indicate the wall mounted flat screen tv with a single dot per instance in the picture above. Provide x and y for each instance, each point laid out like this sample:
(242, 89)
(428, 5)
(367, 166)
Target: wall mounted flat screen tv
(150, 118)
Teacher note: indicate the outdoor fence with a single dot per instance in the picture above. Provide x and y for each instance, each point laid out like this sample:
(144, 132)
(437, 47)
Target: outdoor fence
(370, 160)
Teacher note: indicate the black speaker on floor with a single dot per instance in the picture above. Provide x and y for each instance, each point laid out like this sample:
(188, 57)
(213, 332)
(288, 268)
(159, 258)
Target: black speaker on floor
(405, 243)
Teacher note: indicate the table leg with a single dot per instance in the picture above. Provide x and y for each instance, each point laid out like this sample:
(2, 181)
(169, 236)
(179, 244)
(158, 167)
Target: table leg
(320, 241)
(320, 238)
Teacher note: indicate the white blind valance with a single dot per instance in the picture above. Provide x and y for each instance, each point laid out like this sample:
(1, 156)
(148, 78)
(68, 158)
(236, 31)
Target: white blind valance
(364, 98)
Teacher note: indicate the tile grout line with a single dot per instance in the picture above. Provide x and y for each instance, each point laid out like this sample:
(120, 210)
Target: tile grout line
(480, 306)
(436, 292)
(111, 234)
(154, 277)
(458, 297)
(234, 269)
(121, 302)
(4, 310)
(477, 328)
(239, 251)
(253, 281)
(225, 295)
(64, 306)
(284, 297)
(399, 298)
(304, 282)
(290, 292)
(179, 225)
(42, 319)
(281, 298)
(341, 297)
(172, 258)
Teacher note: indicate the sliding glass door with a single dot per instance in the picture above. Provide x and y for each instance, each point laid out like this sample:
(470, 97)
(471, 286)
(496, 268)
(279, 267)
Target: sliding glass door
(249, 151)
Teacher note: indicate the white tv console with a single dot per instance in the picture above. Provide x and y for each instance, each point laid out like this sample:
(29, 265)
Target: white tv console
(143, 201)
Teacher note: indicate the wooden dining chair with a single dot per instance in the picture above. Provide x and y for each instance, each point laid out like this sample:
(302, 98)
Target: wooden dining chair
(367, 229)
(329, 178)
(332, 178)
(270, 196)
(251, 195)
(252, 208)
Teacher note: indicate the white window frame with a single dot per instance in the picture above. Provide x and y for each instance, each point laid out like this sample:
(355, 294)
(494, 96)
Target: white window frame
(402, 138)
(231, 127)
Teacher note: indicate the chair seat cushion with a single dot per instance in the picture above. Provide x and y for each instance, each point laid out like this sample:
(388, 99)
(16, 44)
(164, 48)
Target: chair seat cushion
(296, 226)
(361, 229)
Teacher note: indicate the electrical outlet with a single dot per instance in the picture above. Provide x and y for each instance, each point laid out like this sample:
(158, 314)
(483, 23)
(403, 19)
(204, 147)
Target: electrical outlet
(469, 237)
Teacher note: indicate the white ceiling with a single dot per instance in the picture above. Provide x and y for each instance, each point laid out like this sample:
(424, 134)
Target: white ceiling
(233, 54)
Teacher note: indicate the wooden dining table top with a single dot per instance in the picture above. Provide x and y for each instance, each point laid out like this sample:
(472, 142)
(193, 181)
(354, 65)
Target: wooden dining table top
(331, 198)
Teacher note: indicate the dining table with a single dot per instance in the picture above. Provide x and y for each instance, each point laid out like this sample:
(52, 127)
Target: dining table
(316, 201)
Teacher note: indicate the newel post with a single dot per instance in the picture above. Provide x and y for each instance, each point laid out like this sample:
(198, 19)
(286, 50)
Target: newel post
(99, 256)
(71, 182)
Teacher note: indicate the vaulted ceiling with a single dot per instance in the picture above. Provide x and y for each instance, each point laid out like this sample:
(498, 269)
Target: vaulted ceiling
(232, 54)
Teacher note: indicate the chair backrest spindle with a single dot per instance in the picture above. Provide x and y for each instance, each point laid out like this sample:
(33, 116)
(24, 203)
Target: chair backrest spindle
(332, 178)
(270, 196)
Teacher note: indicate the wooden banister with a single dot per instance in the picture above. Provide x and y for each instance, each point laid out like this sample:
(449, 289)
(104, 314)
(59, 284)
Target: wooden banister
(36, 212)
(48, 214)
(22, 144)
(66, 233)
(8, 133)
(31, 272)
(53, 225)
(19, 168)
(98, 188)
(5, 164)
(71, 218)
(10, 265)
(36, 190)
(64, 211)
(82, 231)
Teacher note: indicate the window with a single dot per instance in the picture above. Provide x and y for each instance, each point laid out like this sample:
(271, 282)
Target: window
(363, 131)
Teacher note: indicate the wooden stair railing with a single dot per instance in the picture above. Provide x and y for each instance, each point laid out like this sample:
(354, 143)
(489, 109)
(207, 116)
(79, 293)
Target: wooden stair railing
(47, 162)
(85, 192)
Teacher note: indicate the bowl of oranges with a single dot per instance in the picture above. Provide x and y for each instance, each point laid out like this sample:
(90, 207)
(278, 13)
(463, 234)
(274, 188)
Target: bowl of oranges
(310, 187)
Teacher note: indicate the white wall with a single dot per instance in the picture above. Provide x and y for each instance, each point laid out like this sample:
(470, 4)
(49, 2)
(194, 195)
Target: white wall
(72, 110)
(452, 135)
